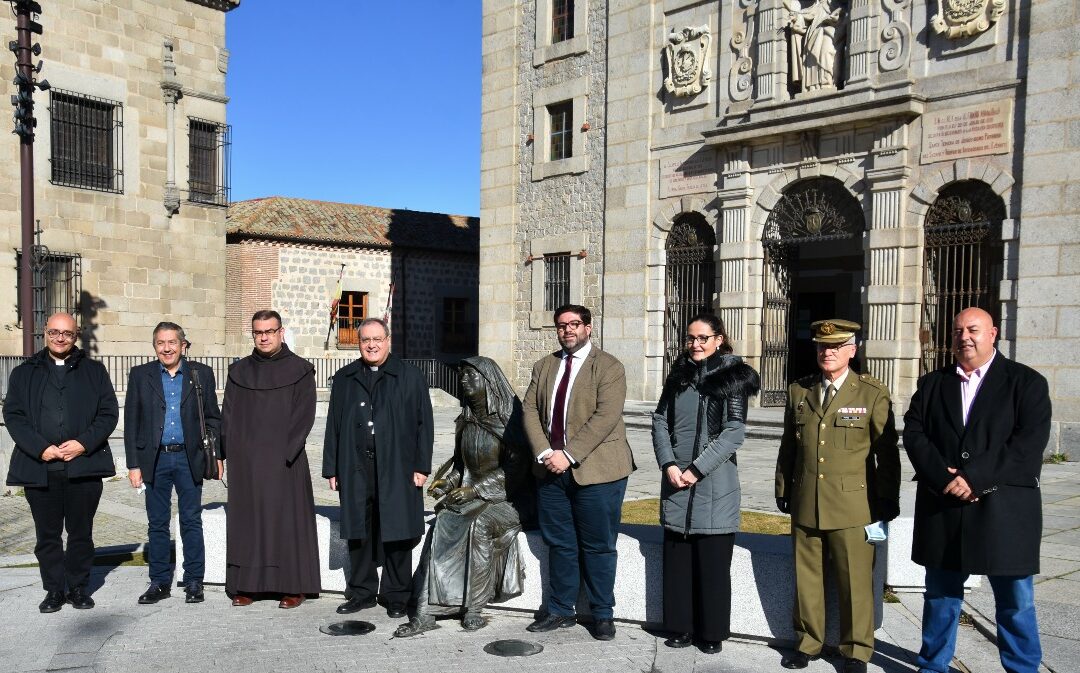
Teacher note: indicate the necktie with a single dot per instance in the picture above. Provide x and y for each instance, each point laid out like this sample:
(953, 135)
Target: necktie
(829, 391)
(558, 414)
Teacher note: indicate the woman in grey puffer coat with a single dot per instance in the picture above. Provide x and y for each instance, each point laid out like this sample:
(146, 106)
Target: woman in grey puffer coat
(698, 426)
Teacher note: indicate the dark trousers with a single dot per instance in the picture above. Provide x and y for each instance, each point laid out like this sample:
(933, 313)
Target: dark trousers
(697, 584)
(368, 553)
(64, 504)
(171, 470)
(580, 523)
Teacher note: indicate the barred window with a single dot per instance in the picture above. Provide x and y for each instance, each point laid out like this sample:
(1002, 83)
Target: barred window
(562, 121)
(456, 331)
(556, 280)
(57, 284)
(87, 141)
(352, 310)
(209, 161)
(562, 20)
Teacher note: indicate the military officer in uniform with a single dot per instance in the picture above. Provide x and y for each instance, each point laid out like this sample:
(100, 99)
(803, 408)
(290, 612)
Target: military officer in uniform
(838, 470)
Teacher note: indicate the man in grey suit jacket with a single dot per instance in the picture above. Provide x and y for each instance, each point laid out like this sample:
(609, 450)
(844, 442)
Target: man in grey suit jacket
(163, 441)
(573, 418)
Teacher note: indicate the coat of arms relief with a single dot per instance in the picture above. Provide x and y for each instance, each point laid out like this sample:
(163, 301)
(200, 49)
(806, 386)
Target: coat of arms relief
(966, 18)
(687, 54)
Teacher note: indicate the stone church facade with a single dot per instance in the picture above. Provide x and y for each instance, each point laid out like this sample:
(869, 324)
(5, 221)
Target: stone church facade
(778, 162)
(130, 172)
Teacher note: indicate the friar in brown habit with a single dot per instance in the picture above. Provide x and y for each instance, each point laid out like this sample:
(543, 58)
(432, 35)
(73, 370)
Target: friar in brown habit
(267, 413)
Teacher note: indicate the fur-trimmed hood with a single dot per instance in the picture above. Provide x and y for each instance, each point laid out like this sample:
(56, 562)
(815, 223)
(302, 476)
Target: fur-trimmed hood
(719, 376)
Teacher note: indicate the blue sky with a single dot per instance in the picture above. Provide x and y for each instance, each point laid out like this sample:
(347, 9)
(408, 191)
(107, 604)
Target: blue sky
(357, 101)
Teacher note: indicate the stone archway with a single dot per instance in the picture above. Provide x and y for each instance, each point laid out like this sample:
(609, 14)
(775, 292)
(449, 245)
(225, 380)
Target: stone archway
(813, 269)
(690, 278)
(963, 259)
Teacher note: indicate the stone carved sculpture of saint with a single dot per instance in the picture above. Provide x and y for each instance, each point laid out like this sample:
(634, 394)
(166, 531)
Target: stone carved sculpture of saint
(471, 557)
(814, 43)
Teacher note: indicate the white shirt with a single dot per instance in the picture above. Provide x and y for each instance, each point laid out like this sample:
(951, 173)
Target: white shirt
(970, 384)
(825, 383)
(577, 360)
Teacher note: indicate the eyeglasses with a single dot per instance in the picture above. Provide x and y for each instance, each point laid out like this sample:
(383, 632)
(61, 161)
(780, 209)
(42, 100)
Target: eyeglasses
(699, 340)
(832, 347)
(255, 334)
(372, 340)
(572, 325)
(56, 334)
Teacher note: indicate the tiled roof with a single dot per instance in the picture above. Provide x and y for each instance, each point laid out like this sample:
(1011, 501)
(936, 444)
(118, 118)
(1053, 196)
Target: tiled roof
(285, 218)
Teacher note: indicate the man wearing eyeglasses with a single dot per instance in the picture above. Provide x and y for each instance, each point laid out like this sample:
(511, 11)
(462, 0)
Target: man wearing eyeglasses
(377, 456)
(838, 470)
(272, 549)
(573, 418)
(60, 410)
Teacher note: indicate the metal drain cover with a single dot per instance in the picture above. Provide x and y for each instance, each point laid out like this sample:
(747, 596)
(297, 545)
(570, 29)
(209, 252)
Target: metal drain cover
(348, 628)
(513, 648)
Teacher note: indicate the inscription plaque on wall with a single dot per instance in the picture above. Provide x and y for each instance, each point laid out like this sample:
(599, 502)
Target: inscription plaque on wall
(679, 177)
(971, 131)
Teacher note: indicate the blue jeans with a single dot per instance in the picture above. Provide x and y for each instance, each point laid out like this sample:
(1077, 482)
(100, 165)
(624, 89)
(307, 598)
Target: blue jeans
(172, 469)
(580, 522)
(1017, 630)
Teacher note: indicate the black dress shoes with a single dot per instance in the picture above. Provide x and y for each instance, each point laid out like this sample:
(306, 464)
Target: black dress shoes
(193, 592)
(711, 646)
(395, 610)
(679, 641)
(355, 604)
(550, 623)
(604, 629)
(79, 599)
(853, 666)
(155, 593)
(54, 600)
(796, 660)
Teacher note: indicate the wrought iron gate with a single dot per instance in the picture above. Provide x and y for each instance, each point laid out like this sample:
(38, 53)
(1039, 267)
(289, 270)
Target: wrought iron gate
(814, 210)
(691, 278)
(963, 260)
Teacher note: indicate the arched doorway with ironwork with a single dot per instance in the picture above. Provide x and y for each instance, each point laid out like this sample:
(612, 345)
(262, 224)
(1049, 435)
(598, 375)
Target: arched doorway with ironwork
(963, 260)
(690, 286)
(813, 269)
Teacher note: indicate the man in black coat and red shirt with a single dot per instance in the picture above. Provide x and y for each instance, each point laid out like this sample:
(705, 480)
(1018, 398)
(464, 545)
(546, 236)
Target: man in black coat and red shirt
(976, 432)
(60, 410)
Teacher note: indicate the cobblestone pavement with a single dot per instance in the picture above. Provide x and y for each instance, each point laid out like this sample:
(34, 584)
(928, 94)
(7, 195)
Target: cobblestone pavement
(120, 635)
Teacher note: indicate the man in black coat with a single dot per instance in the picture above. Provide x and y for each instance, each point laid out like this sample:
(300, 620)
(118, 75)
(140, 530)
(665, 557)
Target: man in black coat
(975, 432)
(377, 456)
(60, 410)
(163, 441)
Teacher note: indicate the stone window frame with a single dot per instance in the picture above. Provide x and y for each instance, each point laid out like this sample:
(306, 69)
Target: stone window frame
(545, 50)
(575, 91)
(539, 317)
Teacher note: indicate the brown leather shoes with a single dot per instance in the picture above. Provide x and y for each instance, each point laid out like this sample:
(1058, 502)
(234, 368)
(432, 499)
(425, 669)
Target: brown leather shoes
(241, 600)
(289, 602)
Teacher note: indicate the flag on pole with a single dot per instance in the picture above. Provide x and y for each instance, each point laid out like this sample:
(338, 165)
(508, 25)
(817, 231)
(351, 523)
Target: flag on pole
(389, 304)
(336, 299)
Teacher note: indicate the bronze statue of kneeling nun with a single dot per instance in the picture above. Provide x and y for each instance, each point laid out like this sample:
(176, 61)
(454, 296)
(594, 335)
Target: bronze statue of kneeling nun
(470, 556)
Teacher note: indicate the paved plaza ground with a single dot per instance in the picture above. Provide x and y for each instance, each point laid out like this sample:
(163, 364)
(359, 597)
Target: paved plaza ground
(120, 635)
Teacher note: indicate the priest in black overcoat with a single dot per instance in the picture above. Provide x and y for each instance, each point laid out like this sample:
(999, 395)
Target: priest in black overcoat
(975, 432)
(272, 548)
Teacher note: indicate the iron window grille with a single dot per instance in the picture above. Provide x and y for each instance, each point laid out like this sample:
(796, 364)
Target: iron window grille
(57, 280)
(561, 116)
(87, 136)
(562, 20)
(209, 161)
(556, 280)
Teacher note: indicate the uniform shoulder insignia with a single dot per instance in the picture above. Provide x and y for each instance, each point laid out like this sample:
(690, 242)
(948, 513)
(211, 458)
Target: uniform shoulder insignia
(866, 378)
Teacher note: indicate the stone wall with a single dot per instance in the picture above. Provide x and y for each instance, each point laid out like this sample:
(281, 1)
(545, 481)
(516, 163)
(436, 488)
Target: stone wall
(139, 265)
(299, 281)
(1048, 290)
